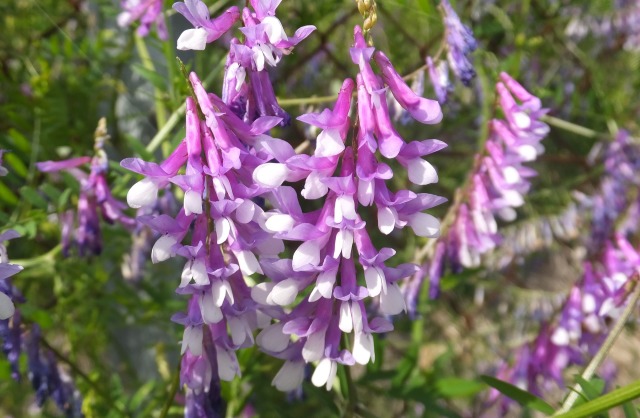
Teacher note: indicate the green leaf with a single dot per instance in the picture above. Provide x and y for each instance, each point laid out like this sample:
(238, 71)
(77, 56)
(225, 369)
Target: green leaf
(20, 142)
(64, 198)
(525, 399)
(7, 196)
(454, 387)
(151, 76)
(15, 164)
(141, 395)
(52, 193)
(33, 197)
(40, 316)
(605, 402)
(629, 410)
(591, 389)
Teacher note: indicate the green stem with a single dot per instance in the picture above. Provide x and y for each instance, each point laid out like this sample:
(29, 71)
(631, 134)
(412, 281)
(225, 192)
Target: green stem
(178, 114)
(147, 62)
(78, 372)
(604, 350)
(352, 401)
(572, 127)
(175, 384)
(48, 256)
(307, 100)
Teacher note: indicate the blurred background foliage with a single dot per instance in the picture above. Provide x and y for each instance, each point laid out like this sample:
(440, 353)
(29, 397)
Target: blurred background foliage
(65, 63)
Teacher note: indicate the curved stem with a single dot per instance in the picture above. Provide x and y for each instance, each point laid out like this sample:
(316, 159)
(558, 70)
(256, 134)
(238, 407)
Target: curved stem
(178, 114)
(77, 371)
(604, 349)
(572, 127)
(175, 384)
(147, 63)
(48, 256)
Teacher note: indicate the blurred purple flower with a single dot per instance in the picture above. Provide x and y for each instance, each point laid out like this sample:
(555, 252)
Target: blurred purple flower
(95, 196)
(147, 12)
(206, 30)
(460, 44)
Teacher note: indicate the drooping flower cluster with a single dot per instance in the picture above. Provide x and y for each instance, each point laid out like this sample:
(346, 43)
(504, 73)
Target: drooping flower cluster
(500, 179)
(623, 24)
(460, 43)
(219, 154)
(47, 379)
(497, 186)
(247, 89)
(597, 299)
(347, 176)
(592, 305)
(83, 227)
(146, 13)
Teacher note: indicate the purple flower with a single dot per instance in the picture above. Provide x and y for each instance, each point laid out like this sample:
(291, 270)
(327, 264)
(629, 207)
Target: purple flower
(47, 379)
(247, 89)
(460, 43)
(7, 292)
(500, 180)
(95, 200)
(219, 155)
(324, 262)
(439, 76)
(147, 12)
(206, 30)
(421, 109)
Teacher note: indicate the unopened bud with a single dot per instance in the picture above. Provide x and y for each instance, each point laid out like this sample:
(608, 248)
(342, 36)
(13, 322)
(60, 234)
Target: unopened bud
(369, 22)
(362, 8)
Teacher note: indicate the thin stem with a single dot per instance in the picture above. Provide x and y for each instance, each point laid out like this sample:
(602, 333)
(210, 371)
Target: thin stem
(352, 401)
(604, 349)
(147, 63)
(175, 384)
(77, 371)
(307, 100)
(48, 256)
(178, 114)
(572, 127)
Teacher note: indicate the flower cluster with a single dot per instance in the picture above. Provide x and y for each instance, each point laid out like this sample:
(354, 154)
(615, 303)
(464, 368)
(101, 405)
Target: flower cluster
(324, 266)
(147, 13)
(47, 379)
(460, 43)
(499, 180)
(597, 299)
(592, 305)
(219, 155)
(229, 162)
(623, 24)
(497, 186)
(83, 227)
(247, 89)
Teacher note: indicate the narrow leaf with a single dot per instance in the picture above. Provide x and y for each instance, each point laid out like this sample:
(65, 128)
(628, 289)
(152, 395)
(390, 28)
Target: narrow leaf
(605, 402)
(629, 410)
(525, 399)
(454, 387)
